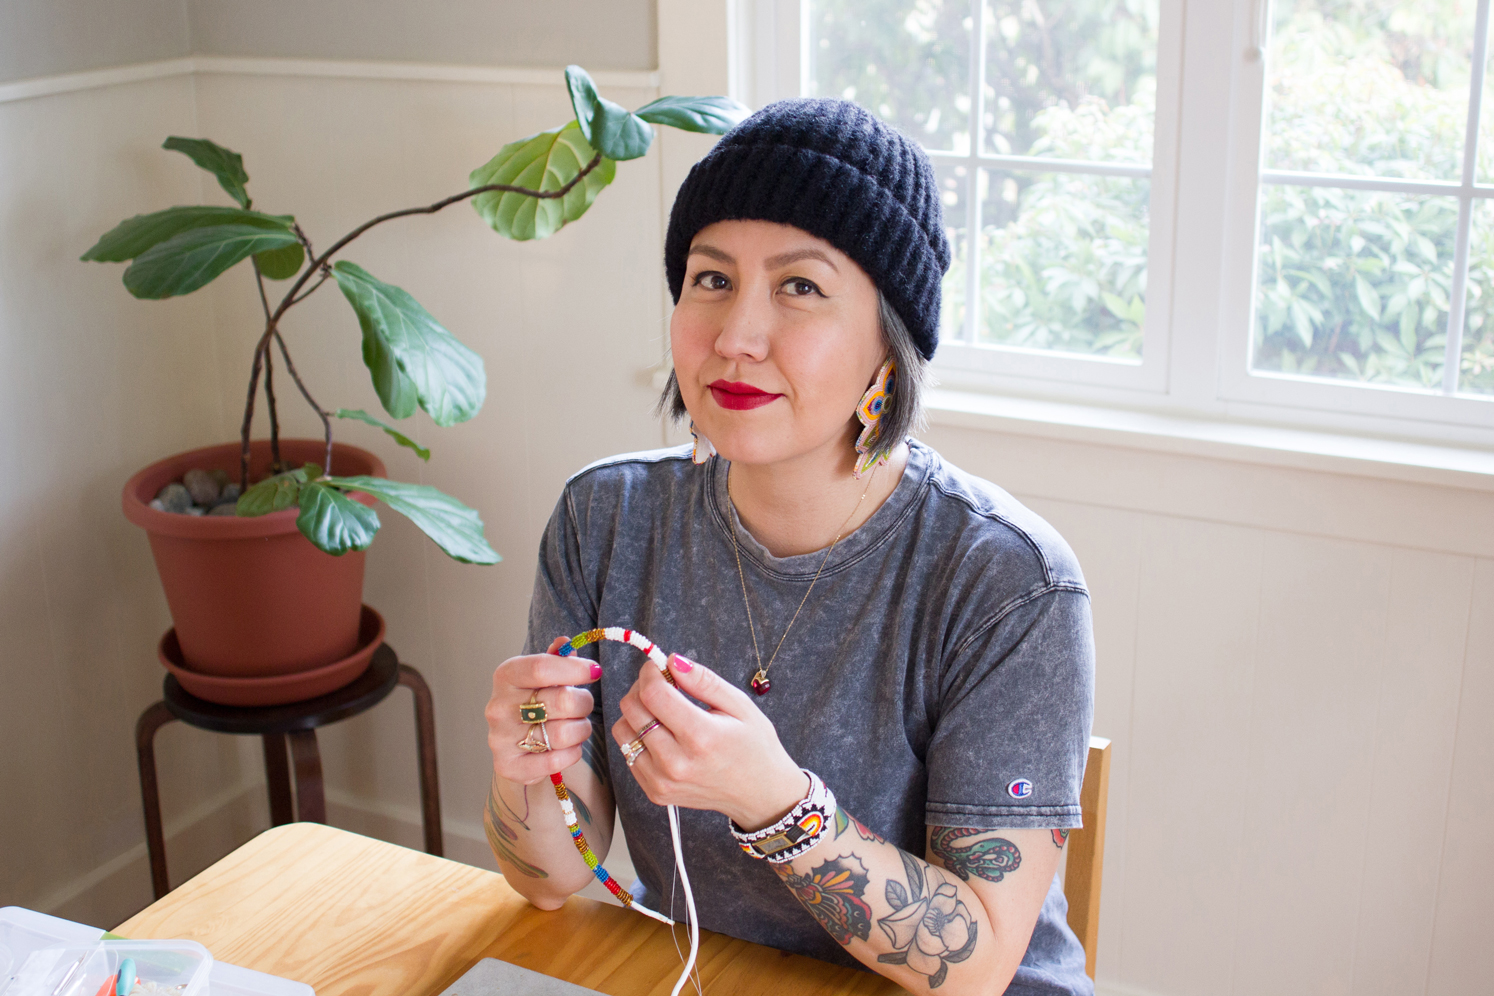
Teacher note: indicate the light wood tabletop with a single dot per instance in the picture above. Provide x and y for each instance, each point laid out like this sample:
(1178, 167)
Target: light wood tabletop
(352, 916)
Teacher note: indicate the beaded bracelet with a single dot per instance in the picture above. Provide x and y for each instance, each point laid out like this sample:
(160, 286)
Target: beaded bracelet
(661, 660)
(797, 832)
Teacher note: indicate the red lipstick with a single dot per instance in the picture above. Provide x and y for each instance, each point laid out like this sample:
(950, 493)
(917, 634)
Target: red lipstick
(738, 396)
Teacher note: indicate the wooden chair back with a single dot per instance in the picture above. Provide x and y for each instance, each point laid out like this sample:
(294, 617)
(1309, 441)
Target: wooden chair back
(1086, 847)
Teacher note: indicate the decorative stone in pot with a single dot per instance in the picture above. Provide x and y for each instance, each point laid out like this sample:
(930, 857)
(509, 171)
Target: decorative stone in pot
(251, 597)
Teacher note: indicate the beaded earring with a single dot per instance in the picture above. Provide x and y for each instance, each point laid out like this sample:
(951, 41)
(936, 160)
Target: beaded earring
(869, 412)
(703, 450)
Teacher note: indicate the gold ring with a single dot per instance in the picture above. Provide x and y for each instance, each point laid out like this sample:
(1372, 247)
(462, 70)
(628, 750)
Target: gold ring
(533, 711)
(633, 750)
(648, 728)
(537, 740)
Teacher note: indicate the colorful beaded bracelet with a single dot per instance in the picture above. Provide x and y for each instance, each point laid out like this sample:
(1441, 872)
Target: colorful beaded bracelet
(616, 634)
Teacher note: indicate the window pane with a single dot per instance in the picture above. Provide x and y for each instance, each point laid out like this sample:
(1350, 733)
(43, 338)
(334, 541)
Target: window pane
(1076, 80)
(954, 191)
(1477, 374)
(908, 61)
(1371, 87)
(1063, 262)
(1353, 285)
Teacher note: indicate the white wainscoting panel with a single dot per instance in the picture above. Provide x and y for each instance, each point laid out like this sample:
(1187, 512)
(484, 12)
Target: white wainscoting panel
(1296, 669)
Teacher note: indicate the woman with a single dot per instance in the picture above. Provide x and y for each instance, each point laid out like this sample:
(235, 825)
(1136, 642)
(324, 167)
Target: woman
(898, 790)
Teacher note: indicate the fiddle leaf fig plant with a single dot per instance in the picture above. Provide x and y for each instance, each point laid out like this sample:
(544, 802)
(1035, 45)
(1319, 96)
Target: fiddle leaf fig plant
(531, 189)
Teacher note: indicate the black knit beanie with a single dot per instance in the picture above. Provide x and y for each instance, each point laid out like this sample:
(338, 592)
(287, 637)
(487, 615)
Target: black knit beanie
(830, 168)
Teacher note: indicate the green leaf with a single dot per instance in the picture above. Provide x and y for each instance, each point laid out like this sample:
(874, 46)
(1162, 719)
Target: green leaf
(281, 264)
(618, 133)
(711, 115)
(543, 162)
(134, 236)
(451, 525)
(1369, 298)
(226, 165)
(334, 522)
(195, 257)
(399, 437)
(400, 337)
(584, 97)
(609, 127)
(274, 494)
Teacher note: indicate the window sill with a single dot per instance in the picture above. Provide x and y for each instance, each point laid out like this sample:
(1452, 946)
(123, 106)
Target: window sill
(1240, 442)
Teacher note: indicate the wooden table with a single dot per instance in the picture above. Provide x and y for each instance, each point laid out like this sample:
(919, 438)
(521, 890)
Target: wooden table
(353, 916)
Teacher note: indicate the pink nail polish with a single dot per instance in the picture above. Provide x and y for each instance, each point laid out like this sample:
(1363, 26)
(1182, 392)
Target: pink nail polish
(683, 664)
(596, 670)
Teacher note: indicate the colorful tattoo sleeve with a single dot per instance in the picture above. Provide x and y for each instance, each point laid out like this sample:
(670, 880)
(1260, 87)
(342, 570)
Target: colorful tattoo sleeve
(930, 927)
(834, 894)
(967, 851)
(502, 835)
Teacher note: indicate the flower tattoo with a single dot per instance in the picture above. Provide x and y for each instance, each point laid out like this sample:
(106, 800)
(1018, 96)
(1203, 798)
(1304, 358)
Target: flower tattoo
(1060, 838)
(832, 893)
(966, 851)
(930, 927)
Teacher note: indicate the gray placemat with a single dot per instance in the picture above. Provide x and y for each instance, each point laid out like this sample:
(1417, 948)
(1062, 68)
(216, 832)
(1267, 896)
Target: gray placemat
(491, 977)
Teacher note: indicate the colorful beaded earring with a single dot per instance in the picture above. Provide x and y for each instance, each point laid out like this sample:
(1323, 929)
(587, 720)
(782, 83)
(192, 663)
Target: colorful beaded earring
(703, 450)
(869, 412)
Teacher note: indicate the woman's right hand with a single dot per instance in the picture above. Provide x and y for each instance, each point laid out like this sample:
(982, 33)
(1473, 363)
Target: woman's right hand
(553, 680)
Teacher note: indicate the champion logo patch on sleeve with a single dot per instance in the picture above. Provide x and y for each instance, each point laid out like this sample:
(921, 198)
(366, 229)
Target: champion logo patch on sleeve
(1020, 788)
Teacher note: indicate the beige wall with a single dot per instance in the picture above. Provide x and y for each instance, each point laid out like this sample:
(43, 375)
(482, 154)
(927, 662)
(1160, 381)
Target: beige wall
(42, 37)
(1296, 664)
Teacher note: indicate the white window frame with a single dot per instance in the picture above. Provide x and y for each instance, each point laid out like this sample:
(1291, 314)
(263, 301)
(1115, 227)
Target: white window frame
(1206, 177)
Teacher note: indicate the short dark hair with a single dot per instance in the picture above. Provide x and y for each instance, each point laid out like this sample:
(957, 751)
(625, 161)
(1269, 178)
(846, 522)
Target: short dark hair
(903, 412)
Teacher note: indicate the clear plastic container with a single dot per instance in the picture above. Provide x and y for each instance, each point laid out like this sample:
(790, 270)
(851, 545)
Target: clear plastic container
(170, 968)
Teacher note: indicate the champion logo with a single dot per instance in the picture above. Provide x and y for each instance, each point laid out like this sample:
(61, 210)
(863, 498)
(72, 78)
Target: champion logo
(1021, 788)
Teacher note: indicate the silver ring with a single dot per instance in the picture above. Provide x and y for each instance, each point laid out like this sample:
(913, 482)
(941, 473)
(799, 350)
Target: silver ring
(648, 728)
(633, 750)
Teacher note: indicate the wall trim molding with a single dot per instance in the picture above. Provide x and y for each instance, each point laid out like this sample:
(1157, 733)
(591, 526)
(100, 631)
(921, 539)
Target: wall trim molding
(222, 65)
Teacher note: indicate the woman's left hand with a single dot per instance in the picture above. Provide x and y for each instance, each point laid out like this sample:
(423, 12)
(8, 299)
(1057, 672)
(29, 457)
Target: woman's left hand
(726, 757)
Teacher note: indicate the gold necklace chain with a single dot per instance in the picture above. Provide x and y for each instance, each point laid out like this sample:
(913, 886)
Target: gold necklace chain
(760, 682)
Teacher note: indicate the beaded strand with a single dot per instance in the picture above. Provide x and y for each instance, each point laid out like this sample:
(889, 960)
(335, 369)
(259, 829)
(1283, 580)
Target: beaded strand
(616, 634)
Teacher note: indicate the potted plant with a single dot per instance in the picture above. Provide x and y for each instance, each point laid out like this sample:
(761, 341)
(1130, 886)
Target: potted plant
(263, 567)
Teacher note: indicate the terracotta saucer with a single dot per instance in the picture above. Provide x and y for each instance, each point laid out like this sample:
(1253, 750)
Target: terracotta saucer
(276, 689)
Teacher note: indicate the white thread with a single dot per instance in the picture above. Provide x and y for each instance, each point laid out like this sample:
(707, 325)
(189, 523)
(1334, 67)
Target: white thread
(692, 921)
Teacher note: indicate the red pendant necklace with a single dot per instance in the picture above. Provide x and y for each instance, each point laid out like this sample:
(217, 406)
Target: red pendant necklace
(760, 683)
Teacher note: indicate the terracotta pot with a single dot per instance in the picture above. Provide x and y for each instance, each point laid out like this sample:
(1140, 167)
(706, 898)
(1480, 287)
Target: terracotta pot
(252, 596)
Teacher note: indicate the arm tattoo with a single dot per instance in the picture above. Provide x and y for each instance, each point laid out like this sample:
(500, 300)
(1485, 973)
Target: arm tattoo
(930, 928)
(594, 753)
(844, 821)
(833, 895)
(1060, 838)
(967, 851)
(502, 836)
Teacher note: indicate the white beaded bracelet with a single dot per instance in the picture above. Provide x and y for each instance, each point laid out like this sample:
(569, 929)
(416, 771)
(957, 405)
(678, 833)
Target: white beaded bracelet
(795, 833)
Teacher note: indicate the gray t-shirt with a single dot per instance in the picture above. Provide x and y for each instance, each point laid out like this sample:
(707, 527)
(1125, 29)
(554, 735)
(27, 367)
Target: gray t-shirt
(941, 673)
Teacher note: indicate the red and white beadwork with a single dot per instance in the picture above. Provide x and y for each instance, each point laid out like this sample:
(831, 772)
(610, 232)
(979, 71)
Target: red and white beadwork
(616, 634)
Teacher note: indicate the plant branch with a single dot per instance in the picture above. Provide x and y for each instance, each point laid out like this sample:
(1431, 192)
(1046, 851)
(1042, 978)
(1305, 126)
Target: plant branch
(259, 279)
(321, 261)
(321, 264)
(313, 287)
(259, 353)
(323, 415)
